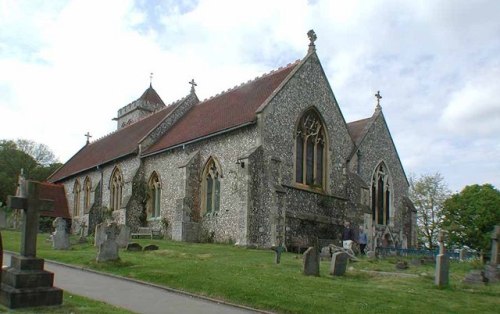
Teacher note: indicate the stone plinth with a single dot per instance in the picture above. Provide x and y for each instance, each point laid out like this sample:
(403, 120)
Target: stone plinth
(338, 264)
(442, 270)
(311, 262)
(26, 284)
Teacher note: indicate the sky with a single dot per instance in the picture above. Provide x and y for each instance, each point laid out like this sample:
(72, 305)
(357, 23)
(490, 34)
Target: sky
(67, 66)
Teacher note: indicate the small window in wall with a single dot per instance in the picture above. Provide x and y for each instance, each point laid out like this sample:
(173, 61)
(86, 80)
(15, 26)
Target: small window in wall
(87, 190)
(76, 198)
(116, 186)
(381, 195)
(154, 199)
(211, 187)
(310, 150)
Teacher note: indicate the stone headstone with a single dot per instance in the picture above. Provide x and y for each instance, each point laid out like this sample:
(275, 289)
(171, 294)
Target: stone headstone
(442, 263)
(278, 250)
(476, 277)
(3, 219)
(325, 253)
(123, 236)
(108, 250)
(100, 234)
(311, 262)
(338, 264)
(60, 238)
(25, 283)
(461, 254)
(491, 270)
(151, 247)
(134, 247)
(371, 254)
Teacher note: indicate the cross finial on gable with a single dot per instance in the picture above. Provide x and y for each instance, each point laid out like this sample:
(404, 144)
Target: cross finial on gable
(88, 136)
(193, 84)
(151, 79)
(378, 96)
(312, 38)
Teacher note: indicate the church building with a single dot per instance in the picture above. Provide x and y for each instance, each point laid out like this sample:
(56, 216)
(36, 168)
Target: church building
(269, 161)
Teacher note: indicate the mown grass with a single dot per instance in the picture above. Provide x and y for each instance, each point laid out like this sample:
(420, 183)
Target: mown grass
(71, 304)
(250, 277)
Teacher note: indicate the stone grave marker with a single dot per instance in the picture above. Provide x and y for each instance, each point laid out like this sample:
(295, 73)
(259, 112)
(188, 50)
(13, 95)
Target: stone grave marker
(461, 254)
(338, 264)
(278, 250)
(83, 238)
(25, 283)
(326, 253)
(108, 250)
(311, 262)
(151, 247)
(491, 270)
(442, 263)
(134, 247)
(60, 238)
(100, 234)
(123, 236)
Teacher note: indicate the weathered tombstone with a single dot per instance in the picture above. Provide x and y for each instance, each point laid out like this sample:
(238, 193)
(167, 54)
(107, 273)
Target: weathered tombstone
(60, 238)
(123, 236)
(25, 283)
(311, 262)
(338, 264)
(151, 247)
(402, 265)
(108, 250)
(83, 238)
(3, 218)
(134, 247)
(100, 234)
(442, 263)
(278, 250)
(491, 270)
(461, 254)
(326, 253)
(371, 254)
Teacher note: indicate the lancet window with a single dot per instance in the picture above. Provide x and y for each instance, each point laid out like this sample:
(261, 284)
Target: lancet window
(211, 187)
(116, 186)
(381, 195)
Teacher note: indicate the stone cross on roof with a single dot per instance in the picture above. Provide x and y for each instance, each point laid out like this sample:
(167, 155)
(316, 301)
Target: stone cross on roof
(30, 202)
(193, 84)
(151, 79)
(312, 38)
(378, 96)
(88, 136)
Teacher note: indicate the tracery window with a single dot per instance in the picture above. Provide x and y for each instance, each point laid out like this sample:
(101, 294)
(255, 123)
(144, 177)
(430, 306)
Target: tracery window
(116, 186)
(154, 187)
(87, 189)
(211, 187)
(310, 150)
(76, 198)
(381, 195)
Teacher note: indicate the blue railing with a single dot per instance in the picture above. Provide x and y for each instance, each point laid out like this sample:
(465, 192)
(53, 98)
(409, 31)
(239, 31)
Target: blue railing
(381, 251)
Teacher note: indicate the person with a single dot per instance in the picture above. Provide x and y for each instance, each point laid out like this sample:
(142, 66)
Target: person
(347, 236)
(362, 240)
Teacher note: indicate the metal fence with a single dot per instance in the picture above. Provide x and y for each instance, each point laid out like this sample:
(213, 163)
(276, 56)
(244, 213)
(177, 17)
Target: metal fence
(381, 251)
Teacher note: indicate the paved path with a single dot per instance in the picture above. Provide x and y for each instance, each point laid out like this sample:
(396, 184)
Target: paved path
(132, 295)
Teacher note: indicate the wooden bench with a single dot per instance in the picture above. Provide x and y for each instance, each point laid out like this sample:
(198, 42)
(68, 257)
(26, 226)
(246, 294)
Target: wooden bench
(146, 232)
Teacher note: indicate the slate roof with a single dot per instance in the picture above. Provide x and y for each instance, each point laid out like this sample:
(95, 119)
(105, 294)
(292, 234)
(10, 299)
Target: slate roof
(357, 129)
(150, 95)
(56, 193)
(115, 145)
(233, 108)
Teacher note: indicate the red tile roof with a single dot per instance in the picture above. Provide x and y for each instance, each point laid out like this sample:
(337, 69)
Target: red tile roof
(357, 129)
(56, 193)
(150, 95)
(117, 144)
(230, 109)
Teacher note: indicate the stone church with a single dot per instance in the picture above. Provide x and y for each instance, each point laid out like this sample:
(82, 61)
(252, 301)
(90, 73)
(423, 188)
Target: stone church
(271, 160)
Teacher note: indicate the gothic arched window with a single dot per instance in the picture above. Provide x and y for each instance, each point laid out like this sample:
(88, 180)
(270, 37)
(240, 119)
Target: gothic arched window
(381, 195)
(87, 189)
(310, 150)
(211, 187)
(76, 198)
(154, 188)
(116, 185)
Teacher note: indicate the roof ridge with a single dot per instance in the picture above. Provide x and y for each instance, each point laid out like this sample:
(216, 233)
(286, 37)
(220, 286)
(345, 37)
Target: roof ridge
(139, 120)
(266, 74)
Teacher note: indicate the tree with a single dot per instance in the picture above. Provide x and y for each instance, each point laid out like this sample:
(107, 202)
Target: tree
(471, 215)
(428, 193)
(40, 152)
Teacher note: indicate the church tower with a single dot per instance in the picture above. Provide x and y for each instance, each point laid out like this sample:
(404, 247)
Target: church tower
(148, 103)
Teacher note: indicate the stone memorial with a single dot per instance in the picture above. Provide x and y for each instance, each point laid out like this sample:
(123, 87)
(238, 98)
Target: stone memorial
(100, 234)
(83, 238)
(311, 262)
(491, 270)
(123, 236)
(25, 283)
(60, 238)
(338, 264)
(151, 247)
(108, 250)
(442, 263)
(278, 250)
(461, 254)
(134, 247)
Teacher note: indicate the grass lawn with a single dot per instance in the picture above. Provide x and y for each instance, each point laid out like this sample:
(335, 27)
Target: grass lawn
(250, 277)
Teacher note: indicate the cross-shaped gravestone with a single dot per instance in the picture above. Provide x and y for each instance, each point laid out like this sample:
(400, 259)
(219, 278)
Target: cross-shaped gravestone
(30, 202)
(495, 246)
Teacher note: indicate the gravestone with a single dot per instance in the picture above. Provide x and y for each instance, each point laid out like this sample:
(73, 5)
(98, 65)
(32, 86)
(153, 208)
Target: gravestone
(151, 247)
(134, 247)
(442, 263)
(338, 264)
(311, 262)
(83, 238)
(3, 218)
(100, 234)
(278, 250)
(476, 277)
(325, 254)
(25, 283)
(123, 236)
(60, 238)
(491, 270)
(461, 254)
(108, 250)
